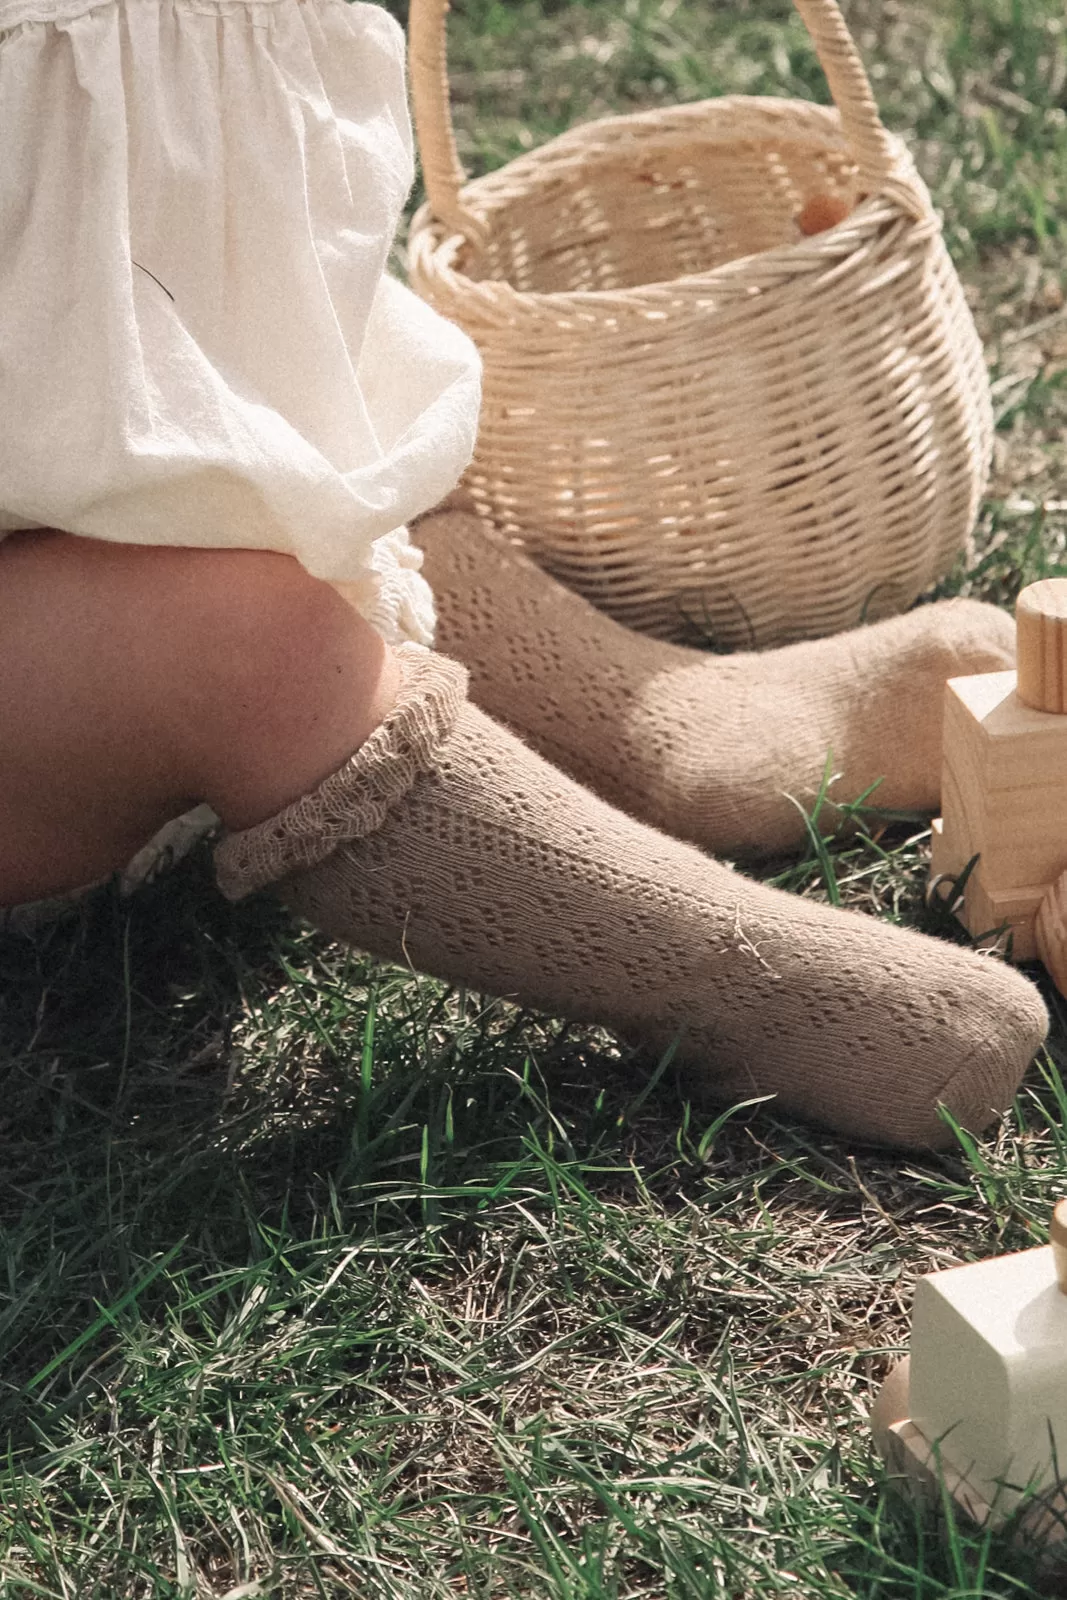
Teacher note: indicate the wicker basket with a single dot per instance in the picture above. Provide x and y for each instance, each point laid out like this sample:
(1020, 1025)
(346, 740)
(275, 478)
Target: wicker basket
(697, 413)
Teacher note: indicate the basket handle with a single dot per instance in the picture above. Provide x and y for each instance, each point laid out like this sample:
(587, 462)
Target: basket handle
(850, 89)
(443, 172)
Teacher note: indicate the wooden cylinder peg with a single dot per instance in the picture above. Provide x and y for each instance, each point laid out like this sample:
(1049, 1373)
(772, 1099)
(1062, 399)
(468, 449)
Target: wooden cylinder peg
(1050, 932)
(1041, 639)
(1057, 1238)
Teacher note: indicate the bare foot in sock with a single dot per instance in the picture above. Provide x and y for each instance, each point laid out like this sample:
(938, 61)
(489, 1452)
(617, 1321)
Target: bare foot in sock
(446, 843)
(706, 747)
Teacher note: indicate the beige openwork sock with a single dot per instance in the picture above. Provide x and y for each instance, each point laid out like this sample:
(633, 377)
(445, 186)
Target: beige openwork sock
(447, 843)
(705, 747)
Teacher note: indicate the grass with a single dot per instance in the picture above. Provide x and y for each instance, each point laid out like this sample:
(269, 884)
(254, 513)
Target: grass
(320, 1280)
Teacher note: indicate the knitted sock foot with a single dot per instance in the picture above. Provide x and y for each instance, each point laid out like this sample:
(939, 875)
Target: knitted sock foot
(446, 843)
(705, 747)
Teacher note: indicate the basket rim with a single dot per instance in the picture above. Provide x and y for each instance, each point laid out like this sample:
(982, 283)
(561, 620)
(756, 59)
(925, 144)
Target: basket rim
(432, 251)
(433, 246)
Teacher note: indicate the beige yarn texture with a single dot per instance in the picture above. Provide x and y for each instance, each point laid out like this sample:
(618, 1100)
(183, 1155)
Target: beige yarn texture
(702, 419)
(708, 748)
(496, 870)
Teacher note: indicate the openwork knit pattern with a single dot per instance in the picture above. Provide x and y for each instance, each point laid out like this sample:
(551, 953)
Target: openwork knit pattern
(496, 870)
(696, 411)
(354, 800)
(708, 748)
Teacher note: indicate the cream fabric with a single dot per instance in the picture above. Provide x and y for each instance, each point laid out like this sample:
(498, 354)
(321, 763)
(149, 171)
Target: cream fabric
(199, 343)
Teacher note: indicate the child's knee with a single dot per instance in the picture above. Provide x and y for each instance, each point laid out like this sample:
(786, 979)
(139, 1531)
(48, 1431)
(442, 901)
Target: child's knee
(232, 675)
(288, 677)
(262, 629)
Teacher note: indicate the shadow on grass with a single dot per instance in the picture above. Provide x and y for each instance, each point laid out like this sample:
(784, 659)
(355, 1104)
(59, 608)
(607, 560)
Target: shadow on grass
(250, 1179)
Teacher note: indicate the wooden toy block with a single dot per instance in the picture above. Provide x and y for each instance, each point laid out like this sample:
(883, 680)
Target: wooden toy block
(980, 1409)
(1004, 788)
(984, 912)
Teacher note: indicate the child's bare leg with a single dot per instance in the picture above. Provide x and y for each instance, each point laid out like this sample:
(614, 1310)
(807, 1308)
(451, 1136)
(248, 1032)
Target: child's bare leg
(136, 681)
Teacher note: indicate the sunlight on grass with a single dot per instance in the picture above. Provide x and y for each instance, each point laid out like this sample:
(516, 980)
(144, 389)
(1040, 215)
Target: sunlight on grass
(322, 1280)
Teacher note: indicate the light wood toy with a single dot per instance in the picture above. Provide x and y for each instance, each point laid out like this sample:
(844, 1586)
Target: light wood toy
(979, 1411)
(1004, 789)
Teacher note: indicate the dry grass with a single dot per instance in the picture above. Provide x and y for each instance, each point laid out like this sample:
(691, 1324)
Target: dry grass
(318, 1280)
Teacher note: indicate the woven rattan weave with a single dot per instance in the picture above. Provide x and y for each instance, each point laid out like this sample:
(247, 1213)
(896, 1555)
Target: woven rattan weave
(697, 414)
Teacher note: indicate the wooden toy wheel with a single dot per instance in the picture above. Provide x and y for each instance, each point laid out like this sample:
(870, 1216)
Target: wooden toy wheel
(1050, 932)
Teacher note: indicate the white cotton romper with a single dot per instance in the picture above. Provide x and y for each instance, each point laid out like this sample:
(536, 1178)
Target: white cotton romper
(199, 341)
